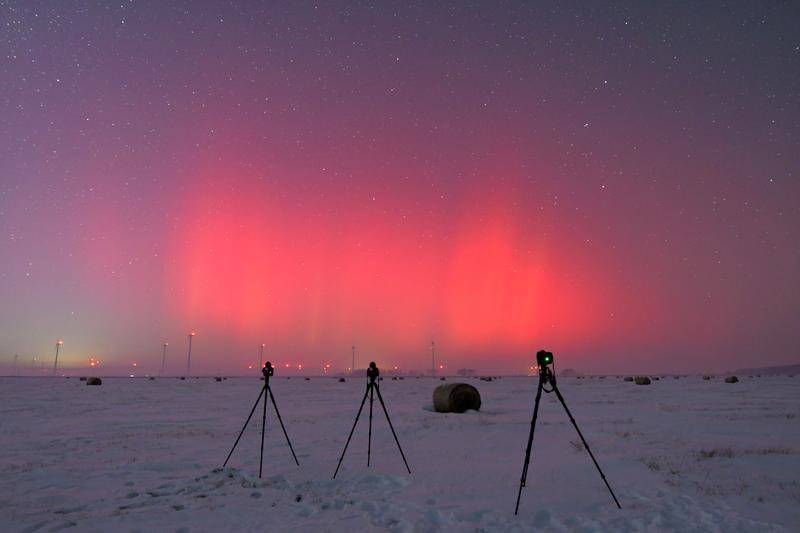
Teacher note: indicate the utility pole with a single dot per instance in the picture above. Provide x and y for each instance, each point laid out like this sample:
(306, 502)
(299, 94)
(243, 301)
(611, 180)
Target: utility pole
(433, 359)
(261, 357)
(55, 364)
(163, 357)
(189, 357)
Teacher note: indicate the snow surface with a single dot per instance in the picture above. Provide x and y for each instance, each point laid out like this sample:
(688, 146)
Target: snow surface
(135, 454)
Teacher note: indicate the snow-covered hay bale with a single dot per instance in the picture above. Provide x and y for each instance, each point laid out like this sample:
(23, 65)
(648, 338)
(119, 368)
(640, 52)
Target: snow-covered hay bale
(642, 380)
(627, 378)
(94, 381)
(218, 379)
(456, 398)
(731, 379)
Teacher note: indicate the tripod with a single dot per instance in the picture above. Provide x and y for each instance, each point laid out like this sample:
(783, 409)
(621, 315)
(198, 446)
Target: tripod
(267, 371)
(546, 376)
(372, 388)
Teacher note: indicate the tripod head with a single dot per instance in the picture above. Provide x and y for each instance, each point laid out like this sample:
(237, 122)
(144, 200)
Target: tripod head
(268, 371)
(373, 372)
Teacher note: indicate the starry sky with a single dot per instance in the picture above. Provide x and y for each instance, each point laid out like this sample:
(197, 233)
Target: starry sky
(617, 182)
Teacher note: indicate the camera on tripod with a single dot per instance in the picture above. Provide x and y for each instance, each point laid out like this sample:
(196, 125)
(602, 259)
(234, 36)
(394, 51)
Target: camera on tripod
(544, 358)
(547, 377)
(373, 387)
(266, 391)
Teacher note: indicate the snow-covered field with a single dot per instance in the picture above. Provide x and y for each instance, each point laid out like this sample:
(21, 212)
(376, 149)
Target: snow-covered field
(135, 454)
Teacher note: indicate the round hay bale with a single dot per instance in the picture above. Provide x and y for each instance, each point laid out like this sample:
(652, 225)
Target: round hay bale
(642, 380)
(82, 378)
(731, 379)
(456, 398)
(307, 379)
(152, 378)
(94, 381)
(706, 378)
(218, 379)
(341, 380)
(486, 378)
(627, 378)
(183, 378)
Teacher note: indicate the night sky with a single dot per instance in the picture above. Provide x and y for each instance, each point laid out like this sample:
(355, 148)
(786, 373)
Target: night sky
(615, 182)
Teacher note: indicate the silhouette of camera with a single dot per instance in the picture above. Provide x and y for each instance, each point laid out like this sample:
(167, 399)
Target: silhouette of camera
(373, 372)
(544, 358)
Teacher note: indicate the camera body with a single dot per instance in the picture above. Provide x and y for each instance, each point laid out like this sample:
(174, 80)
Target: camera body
(373, 372)
(268, 370)
(544, 358)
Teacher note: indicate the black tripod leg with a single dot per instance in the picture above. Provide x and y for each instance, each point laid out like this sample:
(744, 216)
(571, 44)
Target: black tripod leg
(275, 405)
(586, 444)
(524, 477)
(351, 431)
(253, 410)
(263, 429)
(369, 434)
(377, 388)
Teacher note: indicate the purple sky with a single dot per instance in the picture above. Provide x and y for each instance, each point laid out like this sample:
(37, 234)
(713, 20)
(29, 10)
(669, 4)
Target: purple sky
(616, 182)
